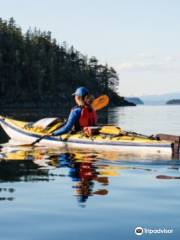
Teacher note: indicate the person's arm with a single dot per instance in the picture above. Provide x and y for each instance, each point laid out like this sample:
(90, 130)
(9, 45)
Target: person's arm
(73, 117)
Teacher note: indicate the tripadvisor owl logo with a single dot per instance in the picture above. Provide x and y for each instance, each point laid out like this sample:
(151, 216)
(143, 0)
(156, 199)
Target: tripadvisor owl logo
(139, 231)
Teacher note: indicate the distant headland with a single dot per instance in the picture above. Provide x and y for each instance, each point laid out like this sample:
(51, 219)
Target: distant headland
(173, 102)
(134, 100)
(160, 99)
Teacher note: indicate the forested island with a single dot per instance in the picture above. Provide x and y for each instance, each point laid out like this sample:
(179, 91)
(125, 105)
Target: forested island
(37, 71)
(173, 102)
(134, 100)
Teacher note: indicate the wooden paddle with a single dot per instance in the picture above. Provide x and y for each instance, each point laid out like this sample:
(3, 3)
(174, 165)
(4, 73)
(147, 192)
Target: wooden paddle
(99, 103)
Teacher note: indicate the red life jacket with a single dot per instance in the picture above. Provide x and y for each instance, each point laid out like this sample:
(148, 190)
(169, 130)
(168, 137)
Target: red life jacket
(88, 117)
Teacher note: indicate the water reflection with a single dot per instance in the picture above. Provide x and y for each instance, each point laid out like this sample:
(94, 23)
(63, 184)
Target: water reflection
(166, 177)
(6, 191)
(89, 171)
(84, 173)
(38, 164)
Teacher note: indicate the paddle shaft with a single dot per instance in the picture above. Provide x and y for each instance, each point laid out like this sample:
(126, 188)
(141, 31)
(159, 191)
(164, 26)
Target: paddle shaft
(38, 140)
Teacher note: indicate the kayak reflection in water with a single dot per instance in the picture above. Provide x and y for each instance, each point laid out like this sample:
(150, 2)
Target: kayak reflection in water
(81, 115)
(84, 174)
(37, 164)
(22, 165)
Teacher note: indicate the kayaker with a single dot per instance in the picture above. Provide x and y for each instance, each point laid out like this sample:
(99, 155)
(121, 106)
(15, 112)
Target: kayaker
(82, 115)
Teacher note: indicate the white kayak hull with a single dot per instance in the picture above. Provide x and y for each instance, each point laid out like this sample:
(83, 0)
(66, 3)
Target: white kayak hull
(18, 134)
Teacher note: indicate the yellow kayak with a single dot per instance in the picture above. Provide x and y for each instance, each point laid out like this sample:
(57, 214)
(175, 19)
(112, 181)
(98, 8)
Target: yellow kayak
(21, 131)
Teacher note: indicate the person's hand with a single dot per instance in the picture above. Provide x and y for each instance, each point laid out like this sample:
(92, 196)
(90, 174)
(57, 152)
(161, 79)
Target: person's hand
(49, 134)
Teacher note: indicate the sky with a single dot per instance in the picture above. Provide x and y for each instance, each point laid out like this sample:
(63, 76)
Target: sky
(139, 38)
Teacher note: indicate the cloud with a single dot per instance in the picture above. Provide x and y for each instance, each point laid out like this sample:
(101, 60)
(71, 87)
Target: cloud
(171, 59)
(146, 56)
(164, 64)
(138, 66)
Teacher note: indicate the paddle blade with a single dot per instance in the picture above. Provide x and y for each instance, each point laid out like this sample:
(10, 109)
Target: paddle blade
(100, 102)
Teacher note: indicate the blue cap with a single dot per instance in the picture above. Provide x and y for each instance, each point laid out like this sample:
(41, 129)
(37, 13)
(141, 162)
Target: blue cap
(81, 91)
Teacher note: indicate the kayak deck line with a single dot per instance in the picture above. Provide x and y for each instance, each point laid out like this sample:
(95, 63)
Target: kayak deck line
(15, 130)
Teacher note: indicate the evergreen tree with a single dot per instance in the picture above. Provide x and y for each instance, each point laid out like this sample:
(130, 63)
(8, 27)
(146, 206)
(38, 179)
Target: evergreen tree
(34, 69)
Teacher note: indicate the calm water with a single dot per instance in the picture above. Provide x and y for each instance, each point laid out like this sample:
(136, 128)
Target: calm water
(148, 119)
(73, 194)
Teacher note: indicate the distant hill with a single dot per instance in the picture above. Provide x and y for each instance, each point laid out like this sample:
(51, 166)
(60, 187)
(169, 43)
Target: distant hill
(134, 100)
(160, 99)
(174, 102)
